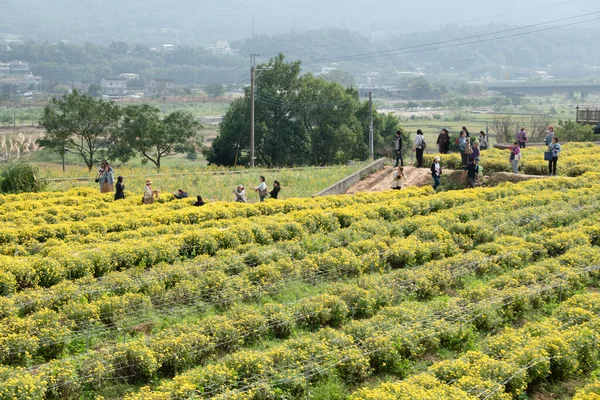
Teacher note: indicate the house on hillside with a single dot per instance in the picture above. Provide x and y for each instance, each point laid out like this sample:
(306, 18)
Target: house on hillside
(115, 86)
(159, 87)
(4, 68)
(19, 67)
(129, 76)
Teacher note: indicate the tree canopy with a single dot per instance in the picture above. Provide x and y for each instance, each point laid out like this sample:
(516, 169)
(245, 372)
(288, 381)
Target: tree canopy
(80, 124)
(300, 120)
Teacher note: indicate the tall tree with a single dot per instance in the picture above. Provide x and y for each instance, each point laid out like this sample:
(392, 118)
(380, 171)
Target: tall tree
(80, 124)
(145, 132)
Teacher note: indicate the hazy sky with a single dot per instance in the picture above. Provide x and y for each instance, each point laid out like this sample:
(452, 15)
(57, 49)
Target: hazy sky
(129, 20)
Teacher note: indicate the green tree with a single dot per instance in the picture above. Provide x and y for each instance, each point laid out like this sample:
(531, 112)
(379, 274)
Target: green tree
(152, 137)
(215, 90)
(234, 134)
(80, 124)
(419, 88)
(330, 120)
(342, 77)
(95, 90)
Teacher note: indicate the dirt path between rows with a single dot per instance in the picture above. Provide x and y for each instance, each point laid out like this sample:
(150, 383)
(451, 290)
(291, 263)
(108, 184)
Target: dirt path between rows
(382, 180)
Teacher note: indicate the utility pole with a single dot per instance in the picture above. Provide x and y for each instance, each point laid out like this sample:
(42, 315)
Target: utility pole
(252, 73)
(371, 151)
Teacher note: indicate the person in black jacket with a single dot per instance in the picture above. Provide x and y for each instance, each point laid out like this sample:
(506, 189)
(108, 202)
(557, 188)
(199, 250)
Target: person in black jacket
(472, 170)
(443, 141)
(120, 189)
(199, 201)
(398, 149)
(276, 188)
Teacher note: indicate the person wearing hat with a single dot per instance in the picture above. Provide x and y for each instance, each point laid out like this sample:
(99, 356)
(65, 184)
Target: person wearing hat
(549, 136)
(436, 172)
(149, 194)
(240, 194)
(443, 141)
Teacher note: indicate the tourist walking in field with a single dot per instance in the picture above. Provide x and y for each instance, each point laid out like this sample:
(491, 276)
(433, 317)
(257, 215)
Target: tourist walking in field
(276, 188)
(106, 178)
(149, 193)
(398, 149)
(515, 156)
(199, 202)
(472, 171)
(462, 146)
(475, 152)
(549, 136)
(120, 186)
(522, 138)
(399, 179)
(419, 147)
(443, 141)
(483, 141)
(262, 189)
(436, 172)
(554, 148)
(240, 194)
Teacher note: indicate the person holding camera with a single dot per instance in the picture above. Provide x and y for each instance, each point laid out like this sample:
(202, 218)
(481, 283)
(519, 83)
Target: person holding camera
(240, 194)
(106, 178)
(149, 193)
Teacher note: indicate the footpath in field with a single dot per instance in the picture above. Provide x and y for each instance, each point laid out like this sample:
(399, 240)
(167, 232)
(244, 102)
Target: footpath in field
(382, 180)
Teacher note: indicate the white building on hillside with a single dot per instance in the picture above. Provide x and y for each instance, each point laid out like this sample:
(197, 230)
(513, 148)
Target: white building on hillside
(113, 86)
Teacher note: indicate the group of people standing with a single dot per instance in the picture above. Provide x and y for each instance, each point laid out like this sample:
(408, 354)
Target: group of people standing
(263, 191)
(470, 152)
(550, 155)
(106, 180)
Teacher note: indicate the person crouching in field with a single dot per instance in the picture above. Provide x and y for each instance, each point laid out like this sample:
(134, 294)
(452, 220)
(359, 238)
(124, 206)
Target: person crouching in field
(240, 194)
(399, 179)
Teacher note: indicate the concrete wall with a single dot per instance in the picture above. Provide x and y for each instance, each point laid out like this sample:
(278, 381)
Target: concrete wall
(340, 187)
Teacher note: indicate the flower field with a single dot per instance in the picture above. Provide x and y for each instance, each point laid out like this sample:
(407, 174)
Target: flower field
(482, 294)
(575, 159)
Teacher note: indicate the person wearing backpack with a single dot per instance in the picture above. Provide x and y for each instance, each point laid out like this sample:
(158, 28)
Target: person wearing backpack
(419, 147)
(398, 149)
(262, 189)
(522, 138)
(554, 148)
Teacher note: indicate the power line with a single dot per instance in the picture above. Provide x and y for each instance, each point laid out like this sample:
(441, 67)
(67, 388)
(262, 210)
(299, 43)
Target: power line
(423, 47)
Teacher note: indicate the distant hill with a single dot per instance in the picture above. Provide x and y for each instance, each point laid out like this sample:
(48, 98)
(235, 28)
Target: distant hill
(202, 22)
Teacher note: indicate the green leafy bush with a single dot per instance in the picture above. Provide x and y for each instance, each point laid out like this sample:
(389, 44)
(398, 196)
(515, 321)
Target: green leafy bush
(20, 177)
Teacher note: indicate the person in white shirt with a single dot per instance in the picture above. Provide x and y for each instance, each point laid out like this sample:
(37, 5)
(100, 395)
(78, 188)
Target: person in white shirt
(262, 189)
(399, 179)
(436, 172)
(419, 147)
(149, 193)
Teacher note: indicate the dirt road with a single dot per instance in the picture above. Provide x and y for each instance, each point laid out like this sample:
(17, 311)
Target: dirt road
(382, 180)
